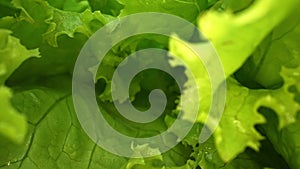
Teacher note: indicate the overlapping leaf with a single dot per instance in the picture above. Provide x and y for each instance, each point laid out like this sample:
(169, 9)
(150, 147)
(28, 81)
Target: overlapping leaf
(12, 54)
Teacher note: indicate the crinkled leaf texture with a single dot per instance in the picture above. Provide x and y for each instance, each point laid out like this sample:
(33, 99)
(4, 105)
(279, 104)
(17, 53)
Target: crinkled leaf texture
(286, 139)
(12, 54)
(236, 130)
(189, 9)
(40, 115)
(237, 127)
(55, 138)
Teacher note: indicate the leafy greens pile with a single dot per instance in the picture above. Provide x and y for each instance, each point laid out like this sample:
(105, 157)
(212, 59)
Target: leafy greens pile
(258, 44)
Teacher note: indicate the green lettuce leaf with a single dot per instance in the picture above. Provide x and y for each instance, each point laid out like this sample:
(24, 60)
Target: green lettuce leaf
(279, 49)
(69, 23)
(206, 156)
(236, 130)
(58, 34)
(7, 9)
(70, 5)
(110, 7)
(12, 54)
(246, 107)
(51, 115)
(236, 36)
(189, 9)
(286, 140)
(12, 124)
(260, 124)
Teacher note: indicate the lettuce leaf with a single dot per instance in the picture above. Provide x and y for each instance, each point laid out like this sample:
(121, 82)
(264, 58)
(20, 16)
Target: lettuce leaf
(12, 54)
(236, 130)
(258, 45)
(189, 9)
(242, 32)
